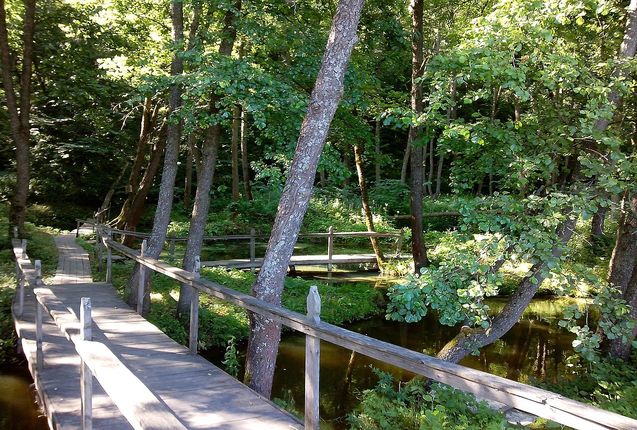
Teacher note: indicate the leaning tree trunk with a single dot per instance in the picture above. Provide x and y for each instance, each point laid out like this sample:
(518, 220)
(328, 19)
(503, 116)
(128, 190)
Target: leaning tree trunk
(417, 155)
(206, 172)
(265, 334)
(469, 340)
(169, 173)
(369, 218)
(19, 110)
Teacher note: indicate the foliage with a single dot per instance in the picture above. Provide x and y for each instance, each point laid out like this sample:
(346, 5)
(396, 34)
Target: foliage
(609, 384)
(231, 359)
(417, 405)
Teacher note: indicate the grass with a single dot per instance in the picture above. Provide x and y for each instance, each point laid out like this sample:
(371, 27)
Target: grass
(40, 245)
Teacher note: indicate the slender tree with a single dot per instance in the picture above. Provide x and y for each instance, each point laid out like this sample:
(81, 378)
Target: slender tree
(417, 155)
(208, 163)
(19, 107)
(265, 334)
(169, 172)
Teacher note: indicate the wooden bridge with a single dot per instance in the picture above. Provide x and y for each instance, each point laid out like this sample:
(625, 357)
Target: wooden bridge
(328, 259)
(147, 381)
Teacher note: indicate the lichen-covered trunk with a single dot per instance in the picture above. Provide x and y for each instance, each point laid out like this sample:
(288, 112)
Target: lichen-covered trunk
(470, 339)
(206, 173)
(169, 172)
(265, 334)
(19, 109)
(417, 154)
(367, 211)
(190, 156)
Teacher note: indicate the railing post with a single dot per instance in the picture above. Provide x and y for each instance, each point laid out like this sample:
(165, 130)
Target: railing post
(142, 281)
(171, 248)
(312, 363)
(86, 377)
(15, 232)
(399, 242)
(252, 249)
(77, 229)
(20, 294)
(39, 358)
(38, 272)
(330, 248)
(194, 310)
(109, 258)
(98, 248)
(24, 248)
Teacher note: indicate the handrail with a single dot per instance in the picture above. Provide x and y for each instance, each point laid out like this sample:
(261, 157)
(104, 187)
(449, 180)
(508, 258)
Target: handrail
(530, 399)
(141, 408)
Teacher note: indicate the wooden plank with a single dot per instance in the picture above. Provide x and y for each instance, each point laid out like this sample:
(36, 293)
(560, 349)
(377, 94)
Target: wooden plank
(136, 402)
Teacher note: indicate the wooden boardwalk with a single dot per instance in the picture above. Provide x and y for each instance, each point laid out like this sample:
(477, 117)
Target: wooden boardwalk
(297, 260)
(200, 395)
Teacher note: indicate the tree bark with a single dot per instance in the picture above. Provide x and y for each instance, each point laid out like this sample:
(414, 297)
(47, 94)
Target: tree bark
(377, 151)
(234, 150)
(19, 110)
(417, 156)
(369, 218)
(265, 334)
(597, 223)
(190, 155)
(169, 173)
(206, 174)
(469, 339)
(245, 164)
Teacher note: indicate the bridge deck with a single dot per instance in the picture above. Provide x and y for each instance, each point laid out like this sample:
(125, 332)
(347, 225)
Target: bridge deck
(198, 393)
(297, 260)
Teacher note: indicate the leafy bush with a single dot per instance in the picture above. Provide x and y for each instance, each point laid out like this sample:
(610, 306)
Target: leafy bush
(418, 407)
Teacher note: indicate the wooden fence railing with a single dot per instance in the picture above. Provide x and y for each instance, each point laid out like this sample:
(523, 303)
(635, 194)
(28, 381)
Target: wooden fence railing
(526, 398)
(136, 402)
(252, 237)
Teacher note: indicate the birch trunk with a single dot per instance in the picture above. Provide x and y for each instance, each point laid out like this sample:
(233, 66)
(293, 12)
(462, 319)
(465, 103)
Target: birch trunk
(265, 334)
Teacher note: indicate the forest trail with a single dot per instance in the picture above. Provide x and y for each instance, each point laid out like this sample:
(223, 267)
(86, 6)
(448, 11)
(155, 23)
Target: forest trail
(188, 388)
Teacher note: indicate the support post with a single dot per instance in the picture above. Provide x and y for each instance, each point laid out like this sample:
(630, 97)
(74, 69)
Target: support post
(15, 232)
(24, 248)
(38, 272)
(86, 377)
(194, 310)
(77, 229)
(109, 258)
(142, 281)
(399, 242)
(20, 294)
(253, 251)
(312, 363)
(98, 249)
(330, 248)
(171, 248)
(39, 358)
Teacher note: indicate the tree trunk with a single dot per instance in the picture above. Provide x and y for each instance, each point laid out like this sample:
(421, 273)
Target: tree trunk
(377, 151)
(405, 165)
(245, 164)
(19, 116)
(190, 155)
(236, 129)
(470, 339)
(369, 218)
(417, 156)
(265, 334)
(207, 171)
(169, 173)
(597, 223)
(106, 203)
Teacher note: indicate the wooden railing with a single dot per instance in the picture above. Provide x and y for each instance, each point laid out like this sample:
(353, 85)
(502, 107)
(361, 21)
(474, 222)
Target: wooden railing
(526, 398)
(252, 237)
(136, 402)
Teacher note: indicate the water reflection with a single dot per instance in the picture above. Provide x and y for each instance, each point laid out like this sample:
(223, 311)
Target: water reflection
(18, 410)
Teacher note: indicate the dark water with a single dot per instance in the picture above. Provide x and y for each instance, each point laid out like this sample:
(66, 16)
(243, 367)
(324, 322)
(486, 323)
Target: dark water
(18, 410)
(534, 350)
